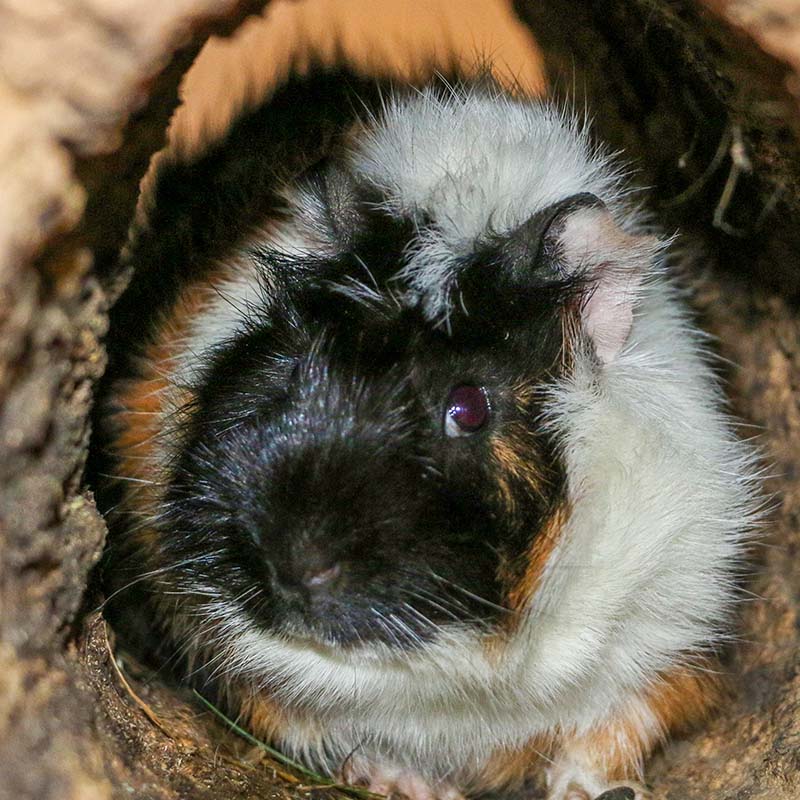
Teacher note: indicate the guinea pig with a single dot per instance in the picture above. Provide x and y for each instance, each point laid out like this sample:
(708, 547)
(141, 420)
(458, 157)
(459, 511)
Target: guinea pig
(414, 447)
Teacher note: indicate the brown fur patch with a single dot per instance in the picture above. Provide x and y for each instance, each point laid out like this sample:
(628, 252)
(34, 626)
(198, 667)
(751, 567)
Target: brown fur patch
(517, 452)
(265, 718)
(512, 466)
(143, 400)
(679, 701)
(517, 457)
(523, 474)
(521, 588)
(509, 769)
(537, 558)
(617, 749)
(688, 696)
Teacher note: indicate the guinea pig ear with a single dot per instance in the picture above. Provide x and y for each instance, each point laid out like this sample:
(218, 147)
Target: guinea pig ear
(570, 258)
(513, 277)
(586, 241)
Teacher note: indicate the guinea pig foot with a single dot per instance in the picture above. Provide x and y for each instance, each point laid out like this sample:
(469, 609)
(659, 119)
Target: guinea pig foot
(395, 782)
(573, 780)
(623, 791)
(413, 787)
(628, 790)
(571, 792)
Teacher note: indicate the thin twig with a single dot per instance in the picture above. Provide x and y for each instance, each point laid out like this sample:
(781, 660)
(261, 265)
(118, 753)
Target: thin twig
(319, 781)
(145, 708)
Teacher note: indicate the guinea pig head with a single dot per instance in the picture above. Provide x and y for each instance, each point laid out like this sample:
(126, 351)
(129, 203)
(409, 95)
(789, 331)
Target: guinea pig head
(358, 471)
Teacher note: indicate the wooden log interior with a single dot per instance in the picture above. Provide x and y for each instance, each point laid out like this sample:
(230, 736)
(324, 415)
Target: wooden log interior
(703, 96)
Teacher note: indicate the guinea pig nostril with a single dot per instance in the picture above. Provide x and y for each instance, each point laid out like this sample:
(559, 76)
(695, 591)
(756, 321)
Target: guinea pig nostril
(321, 578)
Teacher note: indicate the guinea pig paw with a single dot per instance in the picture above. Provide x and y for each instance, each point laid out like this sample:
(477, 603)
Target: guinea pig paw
(566, 782)
(628, 790)
(622, 791)
(414, 787)
(571, 791)
(573, 776)
(577, 784)
(395, 782)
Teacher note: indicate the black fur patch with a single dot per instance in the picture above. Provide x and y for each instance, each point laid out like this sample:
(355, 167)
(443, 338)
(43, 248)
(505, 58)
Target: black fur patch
(319, 441)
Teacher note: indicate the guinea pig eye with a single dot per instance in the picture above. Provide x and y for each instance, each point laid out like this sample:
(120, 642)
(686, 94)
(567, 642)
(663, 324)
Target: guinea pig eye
(467, 410)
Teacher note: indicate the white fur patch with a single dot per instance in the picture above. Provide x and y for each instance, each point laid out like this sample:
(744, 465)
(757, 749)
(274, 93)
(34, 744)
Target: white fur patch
(477, 163)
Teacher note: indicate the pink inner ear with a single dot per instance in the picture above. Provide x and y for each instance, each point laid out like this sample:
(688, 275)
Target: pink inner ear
(607, 316)
(614, 262)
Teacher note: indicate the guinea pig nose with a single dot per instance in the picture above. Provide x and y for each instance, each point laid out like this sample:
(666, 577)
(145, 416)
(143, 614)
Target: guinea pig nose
(316, 578)
(321, 578)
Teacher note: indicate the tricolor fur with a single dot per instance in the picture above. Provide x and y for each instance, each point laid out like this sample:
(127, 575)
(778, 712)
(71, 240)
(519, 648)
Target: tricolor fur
(422, 224)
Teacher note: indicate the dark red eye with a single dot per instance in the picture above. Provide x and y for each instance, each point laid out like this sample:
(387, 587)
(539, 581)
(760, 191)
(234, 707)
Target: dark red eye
(467, 410)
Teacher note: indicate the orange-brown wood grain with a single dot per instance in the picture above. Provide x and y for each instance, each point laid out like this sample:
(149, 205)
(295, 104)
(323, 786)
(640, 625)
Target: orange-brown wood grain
(377, 37)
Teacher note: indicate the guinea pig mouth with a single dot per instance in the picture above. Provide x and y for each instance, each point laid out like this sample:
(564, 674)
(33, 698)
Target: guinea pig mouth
(328, 621)
(400, 593)
(332, 609)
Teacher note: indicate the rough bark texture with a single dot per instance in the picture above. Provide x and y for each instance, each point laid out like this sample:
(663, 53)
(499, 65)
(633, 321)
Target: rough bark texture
(71, 73)
(705, 99)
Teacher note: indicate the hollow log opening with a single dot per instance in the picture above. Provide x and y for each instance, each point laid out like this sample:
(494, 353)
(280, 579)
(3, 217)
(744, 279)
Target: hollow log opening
(703, 98)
